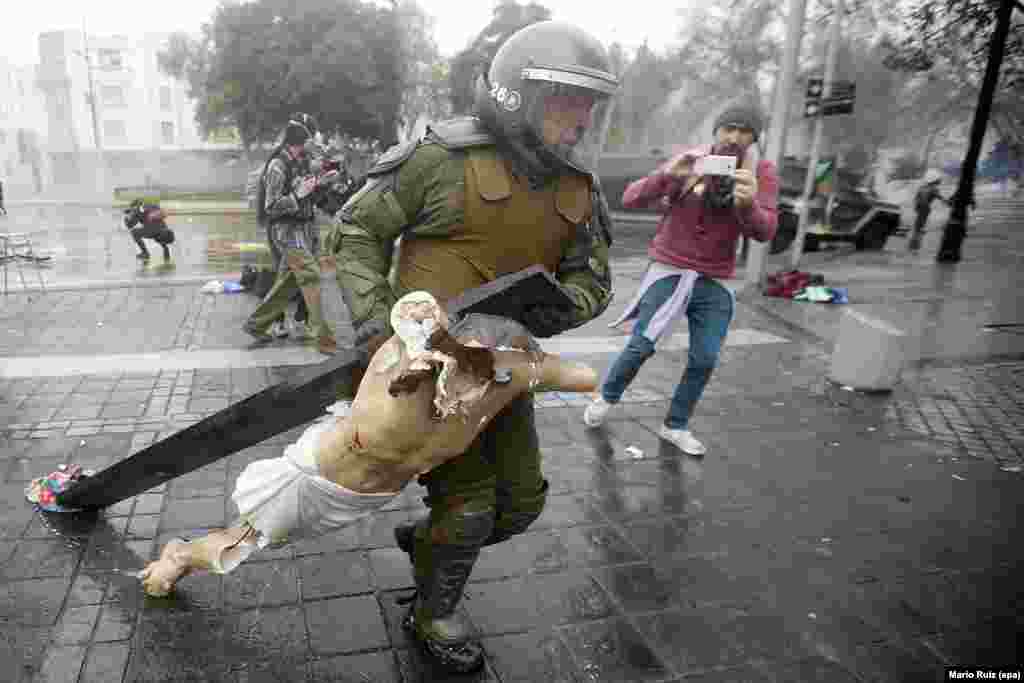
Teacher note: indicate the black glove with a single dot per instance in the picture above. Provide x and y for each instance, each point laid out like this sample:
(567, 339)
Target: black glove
(547, 321)
(372, 334)
(3, 210)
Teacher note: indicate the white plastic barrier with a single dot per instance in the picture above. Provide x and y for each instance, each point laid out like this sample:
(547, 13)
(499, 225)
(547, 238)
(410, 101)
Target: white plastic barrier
(869, 353)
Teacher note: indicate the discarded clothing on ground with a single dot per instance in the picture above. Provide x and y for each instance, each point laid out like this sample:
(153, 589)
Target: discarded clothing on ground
(219, 287)
(787, 284)
(823, 295)
(43, 491)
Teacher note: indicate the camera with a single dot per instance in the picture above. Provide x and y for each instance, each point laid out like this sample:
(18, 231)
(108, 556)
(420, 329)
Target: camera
(719, 171)
(718, 192)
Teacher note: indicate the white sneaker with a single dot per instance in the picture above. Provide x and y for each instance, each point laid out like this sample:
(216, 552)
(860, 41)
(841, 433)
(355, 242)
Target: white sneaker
(279, 329)
(683, 440)
(596, 412)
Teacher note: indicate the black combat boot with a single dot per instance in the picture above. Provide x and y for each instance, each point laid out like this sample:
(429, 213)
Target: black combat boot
(405, 538)
(434, 619)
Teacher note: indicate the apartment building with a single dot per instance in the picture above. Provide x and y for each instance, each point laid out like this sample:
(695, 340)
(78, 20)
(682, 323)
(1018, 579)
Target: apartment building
(107, 91)
(23, 130)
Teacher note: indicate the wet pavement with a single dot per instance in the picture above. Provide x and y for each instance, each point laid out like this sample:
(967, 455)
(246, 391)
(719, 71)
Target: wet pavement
(969, 311)
(826, 536)
(90, 246)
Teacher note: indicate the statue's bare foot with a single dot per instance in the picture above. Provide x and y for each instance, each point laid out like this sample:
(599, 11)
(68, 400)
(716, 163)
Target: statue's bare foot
(159, 578)
(219, 551)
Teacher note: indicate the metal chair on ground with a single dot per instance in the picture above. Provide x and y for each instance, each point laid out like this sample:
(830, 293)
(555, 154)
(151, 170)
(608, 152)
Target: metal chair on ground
(15, 248)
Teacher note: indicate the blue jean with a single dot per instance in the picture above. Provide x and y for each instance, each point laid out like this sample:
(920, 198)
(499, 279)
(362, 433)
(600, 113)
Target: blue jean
(709, 312)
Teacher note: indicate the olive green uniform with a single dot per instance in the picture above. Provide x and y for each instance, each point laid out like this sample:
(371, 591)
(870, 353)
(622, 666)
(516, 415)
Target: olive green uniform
(465, 219)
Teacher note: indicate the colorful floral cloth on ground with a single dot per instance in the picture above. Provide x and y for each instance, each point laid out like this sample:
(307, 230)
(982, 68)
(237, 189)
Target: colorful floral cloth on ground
(43, 491)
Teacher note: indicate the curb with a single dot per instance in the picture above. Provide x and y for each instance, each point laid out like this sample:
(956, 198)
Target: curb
(87, 285)
(196, 208)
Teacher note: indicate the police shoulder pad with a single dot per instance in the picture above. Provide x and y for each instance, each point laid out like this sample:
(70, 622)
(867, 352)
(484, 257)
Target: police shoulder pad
(393, 157)
(459, 133)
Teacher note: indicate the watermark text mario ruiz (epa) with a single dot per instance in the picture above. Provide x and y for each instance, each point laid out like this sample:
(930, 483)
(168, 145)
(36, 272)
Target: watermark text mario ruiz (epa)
(982, 674)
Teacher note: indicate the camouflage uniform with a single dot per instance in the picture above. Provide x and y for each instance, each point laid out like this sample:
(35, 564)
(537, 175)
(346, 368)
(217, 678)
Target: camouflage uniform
(293, 235)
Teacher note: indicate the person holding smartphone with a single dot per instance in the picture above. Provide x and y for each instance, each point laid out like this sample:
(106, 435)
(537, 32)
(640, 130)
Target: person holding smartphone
(285, 204)
(712, 195)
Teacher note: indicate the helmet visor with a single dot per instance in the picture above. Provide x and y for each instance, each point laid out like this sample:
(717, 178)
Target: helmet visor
(570, 121)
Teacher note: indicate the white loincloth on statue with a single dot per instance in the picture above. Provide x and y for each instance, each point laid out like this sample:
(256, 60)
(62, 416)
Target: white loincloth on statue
(286, 498)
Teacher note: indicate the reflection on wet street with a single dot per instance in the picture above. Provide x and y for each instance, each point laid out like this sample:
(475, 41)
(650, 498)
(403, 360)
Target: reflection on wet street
(92, 244)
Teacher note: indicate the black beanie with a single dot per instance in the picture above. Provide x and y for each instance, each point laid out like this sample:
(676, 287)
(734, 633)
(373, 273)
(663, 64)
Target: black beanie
(746, 115)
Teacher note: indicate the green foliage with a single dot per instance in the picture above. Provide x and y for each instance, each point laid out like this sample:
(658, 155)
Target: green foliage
(647, 82)
(425, 73)
(727, 48)
(957, 33)
(509, 16)
(258, 62)
(862, 133)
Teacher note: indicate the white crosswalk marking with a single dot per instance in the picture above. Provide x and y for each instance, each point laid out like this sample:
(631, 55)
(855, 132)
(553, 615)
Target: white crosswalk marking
(218, 359)
(596, 345)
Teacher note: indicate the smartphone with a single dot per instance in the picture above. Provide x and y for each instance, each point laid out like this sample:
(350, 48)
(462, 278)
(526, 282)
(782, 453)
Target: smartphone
(715, 164)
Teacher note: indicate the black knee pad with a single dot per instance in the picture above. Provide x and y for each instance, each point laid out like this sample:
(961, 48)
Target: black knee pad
(519, 515)
(466, 529)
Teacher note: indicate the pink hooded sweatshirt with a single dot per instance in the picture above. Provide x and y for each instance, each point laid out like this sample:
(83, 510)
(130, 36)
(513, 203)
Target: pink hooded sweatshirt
(697, 238)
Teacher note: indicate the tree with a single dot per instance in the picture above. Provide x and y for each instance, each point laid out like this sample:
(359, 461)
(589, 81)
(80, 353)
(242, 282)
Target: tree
(509, 16)
(646, 84)
(256, 63)
(958, 31)
(425, 79)
(729, 49)
(726, 52)
(856, 138)
(954, 35)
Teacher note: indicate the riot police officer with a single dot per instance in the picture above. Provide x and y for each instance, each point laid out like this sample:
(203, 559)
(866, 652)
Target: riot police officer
(476, 198)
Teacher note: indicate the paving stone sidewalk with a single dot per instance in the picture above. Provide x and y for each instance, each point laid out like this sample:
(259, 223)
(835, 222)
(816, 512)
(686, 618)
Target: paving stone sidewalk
(827, 536)
(816, 542)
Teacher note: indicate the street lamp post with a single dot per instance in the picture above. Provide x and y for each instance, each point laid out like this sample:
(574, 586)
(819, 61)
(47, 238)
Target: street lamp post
(97, 138)
(810, 179)
(756, 259)
(92, 92)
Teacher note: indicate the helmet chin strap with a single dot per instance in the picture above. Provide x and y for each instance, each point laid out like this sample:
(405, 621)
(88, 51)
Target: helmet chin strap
(533, 160)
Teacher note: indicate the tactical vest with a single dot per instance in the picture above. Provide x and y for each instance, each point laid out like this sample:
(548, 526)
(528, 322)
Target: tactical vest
(506, 227)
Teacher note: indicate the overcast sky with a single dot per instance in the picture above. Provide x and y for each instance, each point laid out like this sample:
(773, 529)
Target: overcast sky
(457, 21)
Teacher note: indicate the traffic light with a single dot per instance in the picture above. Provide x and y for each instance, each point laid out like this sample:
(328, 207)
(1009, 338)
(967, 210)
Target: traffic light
(812, 109)
(815, 88)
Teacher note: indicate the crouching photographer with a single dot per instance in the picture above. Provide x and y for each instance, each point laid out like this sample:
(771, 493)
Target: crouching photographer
(147, 221)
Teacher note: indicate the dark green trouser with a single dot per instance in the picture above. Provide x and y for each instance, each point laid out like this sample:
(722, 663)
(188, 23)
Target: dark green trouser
(500, 474)
(491, 492)
(303, 272)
